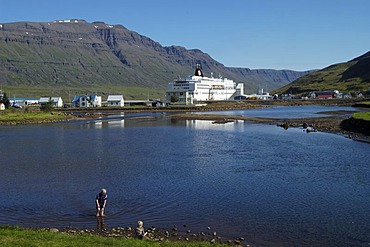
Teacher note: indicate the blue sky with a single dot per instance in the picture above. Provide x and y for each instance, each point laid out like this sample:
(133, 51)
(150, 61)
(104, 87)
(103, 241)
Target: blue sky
(256, 34)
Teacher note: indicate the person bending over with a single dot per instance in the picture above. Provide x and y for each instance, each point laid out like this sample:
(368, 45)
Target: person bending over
(101, 201)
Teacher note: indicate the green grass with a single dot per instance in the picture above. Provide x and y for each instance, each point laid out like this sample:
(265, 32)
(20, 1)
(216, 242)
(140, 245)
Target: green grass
(20, 115)
(330, 78)
(362, 115)
(13, 236)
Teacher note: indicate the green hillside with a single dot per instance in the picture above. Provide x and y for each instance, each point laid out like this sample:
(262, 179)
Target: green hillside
(352, 76)
(62, 58)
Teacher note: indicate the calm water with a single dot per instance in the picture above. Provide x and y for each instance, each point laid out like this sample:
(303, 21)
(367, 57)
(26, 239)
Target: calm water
(242, 179)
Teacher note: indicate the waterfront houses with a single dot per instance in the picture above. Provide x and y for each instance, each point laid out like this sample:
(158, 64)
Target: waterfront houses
(23, 101)
(324, 94)
(115, 100)
(55, 101)
(86, 101)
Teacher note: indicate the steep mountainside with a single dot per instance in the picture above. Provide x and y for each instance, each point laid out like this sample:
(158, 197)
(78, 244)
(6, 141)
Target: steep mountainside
(352, 76)
(76, 55)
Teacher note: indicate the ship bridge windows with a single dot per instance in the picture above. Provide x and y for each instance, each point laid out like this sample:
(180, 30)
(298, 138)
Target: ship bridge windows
(182, 84)
(218, 87)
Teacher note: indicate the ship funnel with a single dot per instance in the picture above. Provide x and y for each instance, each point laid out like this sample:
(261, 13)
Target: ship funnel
(198, 71)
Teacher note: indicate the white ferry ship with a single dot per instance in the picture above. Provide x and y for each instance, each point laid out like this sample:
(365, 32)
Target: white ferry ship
(198, 87)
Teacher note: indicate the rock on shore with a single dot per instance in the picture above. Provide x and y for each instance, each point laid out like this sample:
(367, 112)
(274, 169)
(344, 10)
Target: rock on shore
(156, 234)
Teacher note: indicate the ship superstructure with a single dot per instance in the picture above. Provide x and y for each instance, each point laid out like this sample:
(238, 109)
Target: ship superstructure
(198, 88)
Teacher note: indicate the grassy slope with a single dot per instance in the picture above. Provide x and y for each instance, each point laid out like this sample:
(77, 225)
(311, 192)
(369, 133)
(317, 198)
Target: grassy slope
(330, 78)
(362, 115)
(60, 67)
(22, 237)
(52, 59)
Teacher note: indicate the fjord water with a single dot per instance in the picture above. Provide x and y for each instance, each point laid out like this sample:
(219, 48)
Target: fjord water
(266, 184)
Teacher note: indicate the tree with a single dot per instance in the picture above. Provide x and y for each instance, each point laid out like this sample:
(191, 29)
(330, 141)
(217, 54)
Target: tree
(174, 99)
(48, 107)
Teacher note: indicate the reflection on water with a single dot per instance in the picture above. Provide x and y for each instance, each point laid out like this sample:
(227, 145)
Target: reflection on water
(100, 224)
(256, 181)
(287, 112)
(209, 125)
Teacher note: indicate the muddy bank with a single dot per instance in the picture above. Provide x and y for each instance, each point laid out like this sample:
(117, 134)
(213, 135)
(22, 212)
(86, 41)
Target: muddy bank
(219, 118)
(338, 125)
(339, 122)
(357, 126)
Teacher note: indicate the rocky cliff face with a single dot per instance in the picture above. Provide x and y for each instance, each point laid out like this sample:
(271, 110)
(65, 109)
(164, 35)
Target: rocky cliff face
(77, 53)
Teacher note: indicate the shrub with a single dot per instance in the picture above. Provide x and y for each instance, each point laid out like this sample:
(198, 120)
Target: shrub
(48, 107)
(174, 99)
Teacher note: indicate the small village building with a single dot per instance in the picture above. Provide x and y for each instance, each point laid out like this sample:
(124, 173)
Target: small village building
(86, 101)
(23, 101)
(265, 96)
(44, 100)
(158, 103)
(30, 101)
(346, 95)
(287, 96)
(2, 106)
(55, 101)
(115, 100)
(359, 95)
(138, 102)
(324, 94)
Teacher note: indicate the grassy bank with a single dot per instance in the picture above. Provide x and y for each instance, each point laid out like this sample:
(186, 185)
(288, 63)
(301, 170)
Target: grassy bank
(362, 115)
(10, 236)
(12, 117)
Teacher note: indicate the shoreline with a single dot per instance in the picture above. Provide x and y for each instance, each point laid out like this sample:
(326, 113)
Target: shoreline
(332, 124)
(337, 123)
(175, 234)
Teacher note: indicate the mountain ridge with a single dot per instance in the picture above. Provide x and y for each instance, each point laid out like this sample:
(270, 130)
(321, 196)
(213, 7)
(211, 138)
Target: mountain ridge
(73, 54)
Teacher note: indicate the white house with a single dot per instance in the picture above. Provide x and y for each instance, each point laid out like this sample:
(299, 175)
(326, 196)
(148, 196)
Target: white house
(115, 100)
(44, 100)
(55, 101)
(86, 101)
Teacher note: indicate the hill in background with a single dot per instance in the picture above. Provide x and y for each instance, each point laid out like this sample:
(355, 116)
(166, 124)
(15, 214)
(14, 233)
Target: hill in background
(61, 58)
(352, 76)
